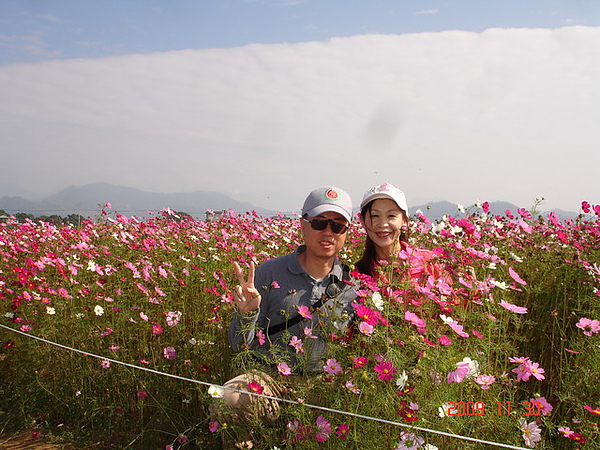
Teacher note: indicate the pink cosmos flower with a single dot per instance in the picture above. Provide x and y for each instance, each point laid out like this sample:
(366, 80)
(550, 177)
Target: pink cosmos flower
(415, 320)
(324, 431)
(366, 328)
(213, 426)
(458, 329)
(526, 369)
(274, 285)
(304, 311)
(444, 340)
(308, 333)
(261, 337)
(352, 387)
(332, 367)
(545, 407)
(141, 394)
(157, 329)
(531, 432)
(64, 293)
(588, 326)
(385, 370)
(485, 381)
(284, 369)
(458, 375)
(513, 308)
(585, 207)
(515, 276)
(568, 433)
(105, 363)
(592, 410)
(519, 360)
(297, 344)
(173, 318)
(524, 213)
(342, 431)
(409, 441)
(169, 353)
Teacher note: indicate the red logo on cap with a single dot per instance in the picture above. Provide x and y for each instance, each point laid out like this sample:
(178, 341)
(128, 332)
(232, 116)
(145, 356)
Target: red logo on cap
(331, 194)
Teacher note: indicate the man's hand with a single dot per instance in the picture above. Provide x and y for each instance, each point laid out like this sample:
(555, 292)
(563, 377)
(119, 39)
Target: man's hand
(245, 294)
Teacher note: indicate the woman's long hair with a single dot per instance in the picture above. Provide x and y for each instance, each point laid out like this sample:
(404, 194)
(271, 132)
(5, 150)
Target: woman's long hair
(367, 264)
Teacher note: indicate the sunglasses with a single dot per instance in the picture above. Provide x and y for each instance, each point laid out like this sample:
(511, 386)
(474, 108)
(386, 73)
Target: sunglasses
(321, 224)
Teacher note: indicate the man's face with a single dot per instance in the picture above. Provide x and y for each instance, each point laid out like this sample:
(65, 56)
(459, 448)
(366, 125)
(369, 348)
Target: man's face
(323, 243)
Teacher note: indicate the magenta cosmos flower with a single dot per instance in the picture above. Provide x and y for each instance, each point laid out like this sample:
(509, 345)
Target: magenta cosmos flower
(360, 362)
(385, 370)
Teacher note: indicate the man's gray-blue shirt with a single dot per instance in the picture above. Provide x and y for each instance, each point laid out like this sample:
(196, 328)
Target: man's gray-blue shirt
(284, 286)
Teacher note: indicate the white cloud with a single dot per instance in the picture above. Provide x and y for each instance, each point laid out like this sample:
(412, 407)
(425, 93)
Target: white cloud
(499, 115)
(427, 11)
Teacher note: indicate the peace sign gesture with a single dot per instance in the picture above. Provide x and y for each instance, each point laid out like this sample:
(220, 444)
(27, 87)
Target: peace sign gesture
(245, 294)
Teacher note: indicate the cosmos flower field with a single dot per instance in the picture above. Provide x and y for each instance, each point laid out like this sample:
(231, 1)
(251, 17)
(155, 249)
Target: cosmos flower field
(503, 346)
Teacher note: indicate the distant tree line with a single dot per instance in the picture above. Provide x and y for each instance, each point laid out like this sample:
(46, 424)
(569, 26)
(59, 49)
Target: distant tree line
(77, 219)
(74, 219)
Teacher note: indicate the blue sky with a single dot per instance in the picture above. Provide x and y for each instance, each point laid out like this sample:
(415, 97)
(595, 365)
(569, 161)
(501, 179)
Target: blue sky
(265, 100)
(34, 30)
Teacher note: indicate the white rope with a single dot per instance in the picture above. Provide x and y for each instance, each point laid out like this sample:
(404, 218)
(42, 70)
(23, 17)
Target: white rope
(321, 408)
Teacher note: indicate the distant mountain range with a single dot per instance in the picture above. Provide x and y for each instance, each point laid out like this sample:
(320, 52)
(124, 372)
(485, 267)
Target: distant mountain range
(88, 201)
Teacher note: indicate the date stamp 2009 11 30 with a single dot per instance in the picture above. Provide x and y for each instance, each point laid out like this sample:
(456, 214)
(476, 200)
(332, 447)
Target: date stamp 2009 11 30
(501, 408)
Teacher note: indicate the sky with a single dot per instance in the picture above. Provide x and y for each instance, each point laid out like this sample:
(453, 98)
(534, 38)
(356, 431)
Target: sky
(264, 100)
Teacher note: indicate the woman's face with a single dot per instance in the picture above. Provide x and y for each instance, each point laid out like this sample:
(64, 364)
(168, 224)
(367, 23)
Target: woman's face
(384, 223)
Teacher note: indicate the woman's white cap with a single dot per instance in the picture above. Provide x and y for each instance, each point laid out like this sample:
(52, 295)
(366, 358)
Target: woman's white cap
(385, 190)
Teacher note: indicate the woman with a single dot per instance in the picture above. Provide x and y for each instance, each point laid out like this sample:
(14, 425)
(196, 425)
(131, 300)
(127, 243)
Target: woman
(384, 216)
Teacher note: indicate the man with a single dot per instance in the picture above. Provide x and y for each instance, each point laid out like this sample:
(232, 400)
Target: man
(286, 308)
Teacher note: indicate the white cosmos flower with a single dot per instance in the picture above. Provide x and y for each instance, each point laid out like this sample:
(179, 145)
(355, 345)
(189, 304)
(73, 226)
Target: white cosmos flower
(516, 258)
(401, 381)
(216, 391)
(473, 367)
(455, 230)
(377, 300)
(443, 410)
(499, 284)
(50, 310)
(98, 310)
(446, 319)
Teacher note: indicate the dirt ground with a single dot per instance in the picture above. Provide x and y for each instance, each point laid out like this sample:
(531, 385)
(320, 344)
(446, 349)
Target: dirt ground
(24, 441)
